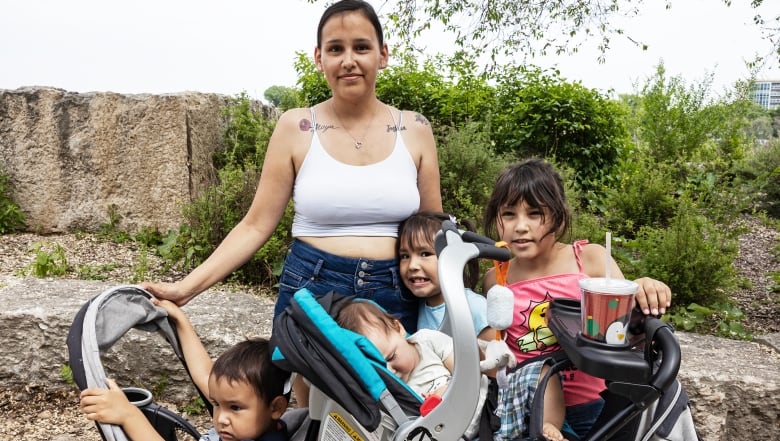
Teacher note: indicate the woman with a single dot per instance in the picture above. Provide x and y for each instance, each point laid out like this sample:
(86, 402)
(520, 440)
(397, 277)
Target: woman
(355, 168)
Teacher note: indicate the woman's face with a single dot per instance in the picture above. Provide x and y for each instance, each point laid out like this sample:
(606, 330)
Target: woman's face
(350, 55)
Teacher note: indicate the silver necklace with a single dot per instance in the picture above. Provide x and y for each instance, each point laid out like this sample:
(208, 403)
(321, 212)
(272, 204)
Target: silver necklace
(358, 143)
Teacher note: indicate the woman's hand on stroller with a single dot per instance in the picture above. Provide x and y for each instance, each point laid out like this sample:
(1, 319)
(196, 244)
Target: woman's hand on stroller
(168, 291)
(496, 355)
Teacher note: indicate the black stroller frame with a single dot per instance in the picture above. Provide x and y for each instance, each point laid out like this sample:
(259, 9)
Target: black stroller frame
(643, 396)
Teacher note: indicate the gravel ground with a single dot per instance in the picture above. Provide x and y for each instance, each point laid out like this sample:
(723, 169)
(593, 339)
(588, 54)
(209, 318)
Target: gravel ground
(40, 414)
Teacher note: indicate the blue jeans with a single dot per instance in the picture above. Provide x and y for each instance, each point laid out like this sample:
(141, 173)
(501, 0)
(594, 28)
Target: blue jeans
(581, 417)
(308, 267)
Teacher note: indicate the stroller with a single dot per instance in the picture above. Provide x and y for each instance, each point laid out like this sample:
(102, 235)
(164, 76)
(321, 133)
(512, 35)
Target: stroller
(364, 402)
(99, 324)
(644, 401)
(354, 397)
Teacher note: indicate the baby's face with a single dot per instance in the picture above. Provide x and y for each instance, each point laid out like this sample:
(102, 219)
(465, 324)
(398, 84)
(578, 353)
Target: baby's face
(400, 355)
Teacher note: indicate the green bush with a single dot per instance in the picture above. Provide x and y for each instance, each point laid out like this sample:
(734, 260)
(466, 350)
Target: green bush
(639, 197)
(468, 169)
(693, 256)
(538, 113)
(314, 86)
(674, 118)
(247, 133)
(11, 217)
(211, 216)
(758, 177)
(49, 260)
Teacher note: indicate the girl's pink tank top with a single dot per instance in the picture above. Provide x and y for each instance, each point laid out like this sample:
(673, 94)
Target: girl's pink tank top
(529, 336)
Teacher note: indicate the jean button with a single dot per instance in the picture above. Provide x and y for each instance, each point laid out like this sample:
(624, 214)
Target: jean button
(361, 273)
(363, 265)
(360, 282)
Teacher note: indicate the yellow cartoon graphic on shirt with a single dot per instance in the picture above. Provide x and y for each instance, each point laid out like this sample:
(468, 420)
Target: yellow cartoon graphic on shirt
(539, 336)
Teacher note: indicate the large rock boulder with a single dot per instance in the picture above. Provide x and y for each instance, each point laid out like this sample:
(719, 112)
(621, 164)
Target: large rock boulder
(734, 386)
(77, 161)
(37, 314)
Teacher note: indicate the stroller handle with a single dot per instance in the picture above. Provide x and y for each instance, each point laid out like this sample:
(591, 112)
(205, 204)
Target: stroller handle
(485, 247)
(668, 345)
(450, 419)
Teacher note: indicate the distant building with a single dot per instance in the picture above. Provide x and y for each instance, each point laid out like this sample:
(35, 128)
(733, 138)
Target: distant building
(767, 93)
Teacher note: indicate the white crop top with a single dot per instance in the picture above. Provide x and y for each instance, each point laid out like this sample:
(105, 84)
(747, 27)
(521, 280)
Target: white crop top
(336, 199)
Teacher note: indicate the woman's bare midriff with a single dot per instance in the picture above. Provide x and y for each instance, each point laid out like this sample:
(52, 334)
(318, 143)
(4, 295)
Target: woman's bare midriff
(376, 248)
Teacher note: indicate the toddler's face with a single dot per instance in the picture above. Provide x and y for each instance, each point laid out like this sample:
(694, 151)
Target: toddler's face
(239, 413)
(420, 272)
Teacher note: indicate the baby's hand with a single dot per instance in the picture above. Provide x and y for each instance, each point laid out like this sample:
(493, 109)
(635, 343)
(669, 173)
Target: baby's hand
(439, 392)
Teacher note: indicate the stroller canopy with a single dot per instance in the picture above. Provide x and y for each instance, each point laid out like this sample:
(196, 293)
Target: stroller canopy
(100, 323)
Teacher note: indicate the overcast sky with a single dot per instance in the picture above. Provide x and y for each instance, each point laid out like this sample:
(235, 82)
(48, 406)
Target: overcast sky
(168, 46)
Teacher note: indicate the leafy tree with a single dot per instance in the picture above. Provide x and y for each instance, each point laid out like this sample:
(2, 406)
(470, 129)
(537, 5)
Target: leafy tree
(248, 131)
(672, 118)
(314, 86)
(509, 27)
(469, 169)
(539, 114)
(282, 97)
(447, 92)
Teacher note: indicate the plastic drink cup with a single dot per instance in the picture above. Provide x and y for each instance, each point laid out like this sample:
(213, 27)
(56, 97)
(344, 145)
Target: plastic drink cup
(606, 309)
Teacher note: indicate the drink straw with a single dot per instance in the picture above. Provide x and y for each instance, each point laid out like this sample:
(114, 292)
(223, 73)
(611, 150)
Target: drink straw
(609, 256)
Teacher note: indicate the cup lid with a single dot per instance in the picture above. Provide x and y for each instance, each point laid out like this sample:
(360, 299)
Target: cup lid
(609, 286)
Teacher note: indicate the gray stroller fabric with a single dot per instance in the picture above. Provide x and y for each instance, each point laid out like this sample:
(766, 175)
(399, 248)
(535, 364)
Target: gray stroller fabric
(107, 318)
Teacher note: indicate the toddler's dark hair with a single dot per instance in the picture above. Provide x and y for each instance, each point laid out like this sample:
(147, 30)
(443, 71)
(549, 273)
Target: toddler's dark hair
(250, 361)
(419, 230)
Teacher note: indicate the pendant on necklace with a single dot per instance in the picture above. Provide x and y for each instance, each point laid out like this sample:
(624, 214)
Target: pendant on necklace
(358, 144)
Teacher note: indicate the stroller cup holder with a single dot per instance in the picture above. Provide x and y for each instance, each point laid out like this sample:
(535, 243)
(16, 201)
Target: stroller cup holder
(635, 372)
(138, 397)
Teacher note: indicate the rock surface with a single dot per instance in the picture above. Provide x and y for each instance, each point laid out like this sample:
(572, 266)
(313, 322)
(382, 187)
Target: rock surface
(77, 160)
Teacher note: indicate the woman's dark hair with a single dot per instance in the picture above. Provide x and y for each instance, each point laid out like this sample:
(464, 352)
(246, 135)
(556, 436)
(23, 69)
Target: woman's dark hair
(420, 228)
(536, 182)
(250, 361)
(344, 6)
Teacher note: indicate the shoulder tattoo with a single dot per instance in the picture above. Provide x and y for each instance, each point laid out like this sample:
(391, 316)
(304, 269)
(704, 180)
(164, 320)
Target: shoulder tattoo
(421, 119)
(305, 126)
